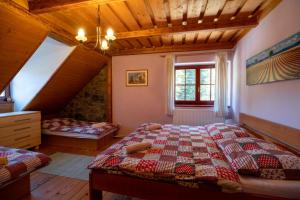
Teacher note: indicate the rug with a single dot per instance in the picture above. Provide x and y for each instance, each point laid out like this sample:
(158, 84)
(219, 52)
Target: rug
(69, 165)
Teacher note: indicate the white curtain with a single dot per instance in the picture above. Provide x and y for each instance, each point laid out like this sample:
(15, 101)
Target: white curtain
(220, 105)
(170, 105)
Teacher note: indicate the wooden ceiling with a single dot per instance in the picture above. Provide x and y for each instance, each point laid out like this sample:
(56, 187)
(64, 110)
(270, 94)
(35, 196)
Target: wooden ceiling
(15, 45)
(148, 26)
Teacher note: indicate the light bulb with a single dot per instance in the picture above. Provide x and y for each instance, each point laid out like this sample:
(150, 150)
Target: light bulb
(110, 34)
(81, 35)
(104, 45)
(81, 32)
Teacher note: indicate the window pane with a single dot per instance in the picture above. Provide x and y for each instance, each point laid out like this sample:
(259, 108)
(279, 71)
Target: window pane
(2, 94)
(213, 75)
(180, 76)
(212, 92)
(179, 92)
(190, 76)
(204, 76)
(190, 92)
(205, 92)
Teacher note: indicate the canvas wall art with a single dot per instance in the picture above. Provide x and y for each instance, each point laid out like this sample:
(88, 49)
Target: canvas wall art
(278, 63)
(136, 77)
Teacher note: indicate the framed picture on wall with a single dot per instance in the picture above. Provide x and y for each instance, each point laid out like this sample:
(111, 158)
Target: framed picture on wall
(277, 63)
(137, 77)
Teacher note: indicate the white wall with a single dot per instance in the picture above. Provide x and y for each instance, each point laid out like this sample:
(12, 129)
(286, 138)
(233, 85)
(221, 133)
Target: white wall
(37, 71)
(280, 101)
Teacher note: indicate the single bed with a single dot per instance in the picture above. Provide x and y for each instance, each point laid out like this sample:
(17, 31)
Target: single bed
(15, 176)
(184, 177)
(68, 132)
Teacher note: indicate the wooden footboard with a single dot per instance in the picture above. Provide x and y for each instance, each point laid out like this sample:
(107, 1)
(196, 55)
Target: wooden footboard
(150, 189)
(17, 189)
(82, 143)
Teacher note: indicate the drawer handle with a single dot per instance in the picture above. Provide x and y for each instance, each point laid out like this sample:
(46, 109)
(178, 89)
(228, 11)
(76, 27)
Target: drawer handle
(21, 129)
(22, 120)
(23, 137)
(24, 146)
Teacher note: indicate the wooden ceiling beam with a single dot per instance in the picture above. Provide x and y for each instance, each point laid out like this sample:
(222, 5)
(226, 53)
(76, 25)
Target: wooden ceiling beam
(207, 26)
(176, 48)
(44, 6)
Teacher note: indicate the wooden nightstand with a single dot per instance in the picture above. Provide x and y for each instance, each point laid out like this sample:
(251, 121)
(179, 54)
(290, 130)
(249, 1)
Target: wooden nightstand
(20, 129)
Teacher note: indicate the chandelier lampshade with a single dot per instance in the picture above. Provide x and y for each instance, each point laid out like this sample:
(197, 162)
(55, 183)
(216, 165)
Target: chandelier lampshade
(110, 35)
(102, 44)
(81, 35)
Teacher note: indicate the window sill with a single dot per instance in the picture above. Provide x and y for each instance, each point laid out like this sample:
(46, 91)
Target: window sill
(194, 106)
(5, 102)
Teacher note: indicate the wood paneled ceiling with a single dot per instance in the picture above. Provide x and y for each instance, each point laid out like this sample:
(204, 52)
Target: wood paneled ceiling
(147, 26)
(17, 43)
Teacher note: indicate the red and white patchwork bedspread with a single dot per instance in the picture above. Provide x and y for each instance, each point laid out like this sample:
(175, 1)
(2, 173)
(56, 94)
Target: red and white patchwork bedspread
(76, 126)
(20, 162)
(180, 154)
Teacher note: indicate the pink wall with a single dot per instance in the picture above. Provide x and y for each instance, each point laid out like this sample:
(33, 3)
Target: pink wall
(206, 57)
(278, 102)
(135, 105)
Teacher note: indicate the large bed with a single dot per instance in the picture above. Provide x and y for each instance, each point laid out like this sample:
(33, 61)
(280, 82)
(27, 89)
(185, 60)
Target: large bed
(68, 132)
(184, 162)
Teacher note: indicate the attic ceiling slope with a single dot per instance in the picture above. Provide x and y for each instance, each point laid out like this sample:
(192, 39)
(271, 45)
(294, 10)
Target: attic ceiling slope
(19, 38)
(75, 72)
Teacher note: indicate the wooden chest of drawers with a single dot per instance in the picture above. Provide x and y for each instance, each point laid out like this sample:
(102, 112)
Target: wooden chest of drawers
(20, 129)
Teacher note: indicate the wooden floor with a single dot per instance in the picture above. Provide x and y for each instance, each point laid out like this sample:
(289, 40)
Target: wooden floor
(51, 187)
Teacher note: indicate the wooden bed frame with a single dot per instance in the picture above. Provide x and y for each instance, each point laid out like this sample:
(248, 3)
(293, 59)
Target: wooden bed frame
(150, 189)
(81, 143)
(17, 189)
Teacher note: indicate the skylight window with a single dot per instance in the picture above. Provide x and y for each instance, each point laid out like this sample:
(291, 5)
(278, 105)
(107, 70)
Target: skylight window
(37, 71)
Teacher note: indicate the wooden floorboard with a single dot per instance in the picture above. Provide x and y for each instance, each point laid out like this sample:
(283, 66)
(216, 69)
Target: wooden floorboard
(52, 187)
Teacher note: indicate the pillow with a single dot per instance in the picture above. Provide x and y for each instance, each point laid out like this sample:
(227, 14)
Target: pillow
(256, 157)
(220, 131)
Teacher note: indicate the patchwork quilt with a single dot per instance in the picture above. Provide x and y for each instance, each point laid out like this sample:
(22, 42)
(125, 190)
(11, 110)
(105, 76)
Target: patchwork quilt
(76, 126)
(181, 154)
(256, 157)
(220, 131)
(20, 162)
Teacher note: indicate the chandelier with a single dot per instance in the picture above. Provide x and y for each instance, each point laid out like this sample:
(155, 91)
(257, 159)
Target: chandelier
(102, 44)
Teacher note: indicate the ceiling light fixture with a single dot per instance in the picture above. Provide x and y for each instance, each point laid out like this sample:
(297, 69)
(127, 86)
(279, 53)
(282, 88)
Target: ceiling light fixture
(81, 35)
(102, 44)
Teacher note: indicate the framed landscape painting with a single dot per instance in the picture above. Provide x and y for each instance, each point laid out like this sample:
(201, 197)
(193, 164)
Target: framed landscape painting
(136, 77)
(278, 63)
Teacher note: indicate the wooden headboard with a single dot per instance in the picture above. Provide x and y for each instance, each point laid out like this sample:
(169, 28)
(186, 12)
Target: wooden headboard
(284, 135)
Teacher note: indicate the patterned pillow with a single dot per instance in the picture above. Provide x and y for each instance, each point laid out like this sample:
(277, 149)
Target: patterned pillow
(220, 131)
(256, 157)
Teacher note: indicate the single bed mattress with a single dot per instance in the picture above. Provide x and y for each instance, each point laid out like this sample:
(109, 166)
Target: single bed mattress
(20, 163)
(69, 127)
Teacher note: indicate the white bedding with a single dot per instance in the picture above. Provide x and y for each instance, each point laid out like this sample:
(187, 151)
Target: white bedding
(75, 135)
